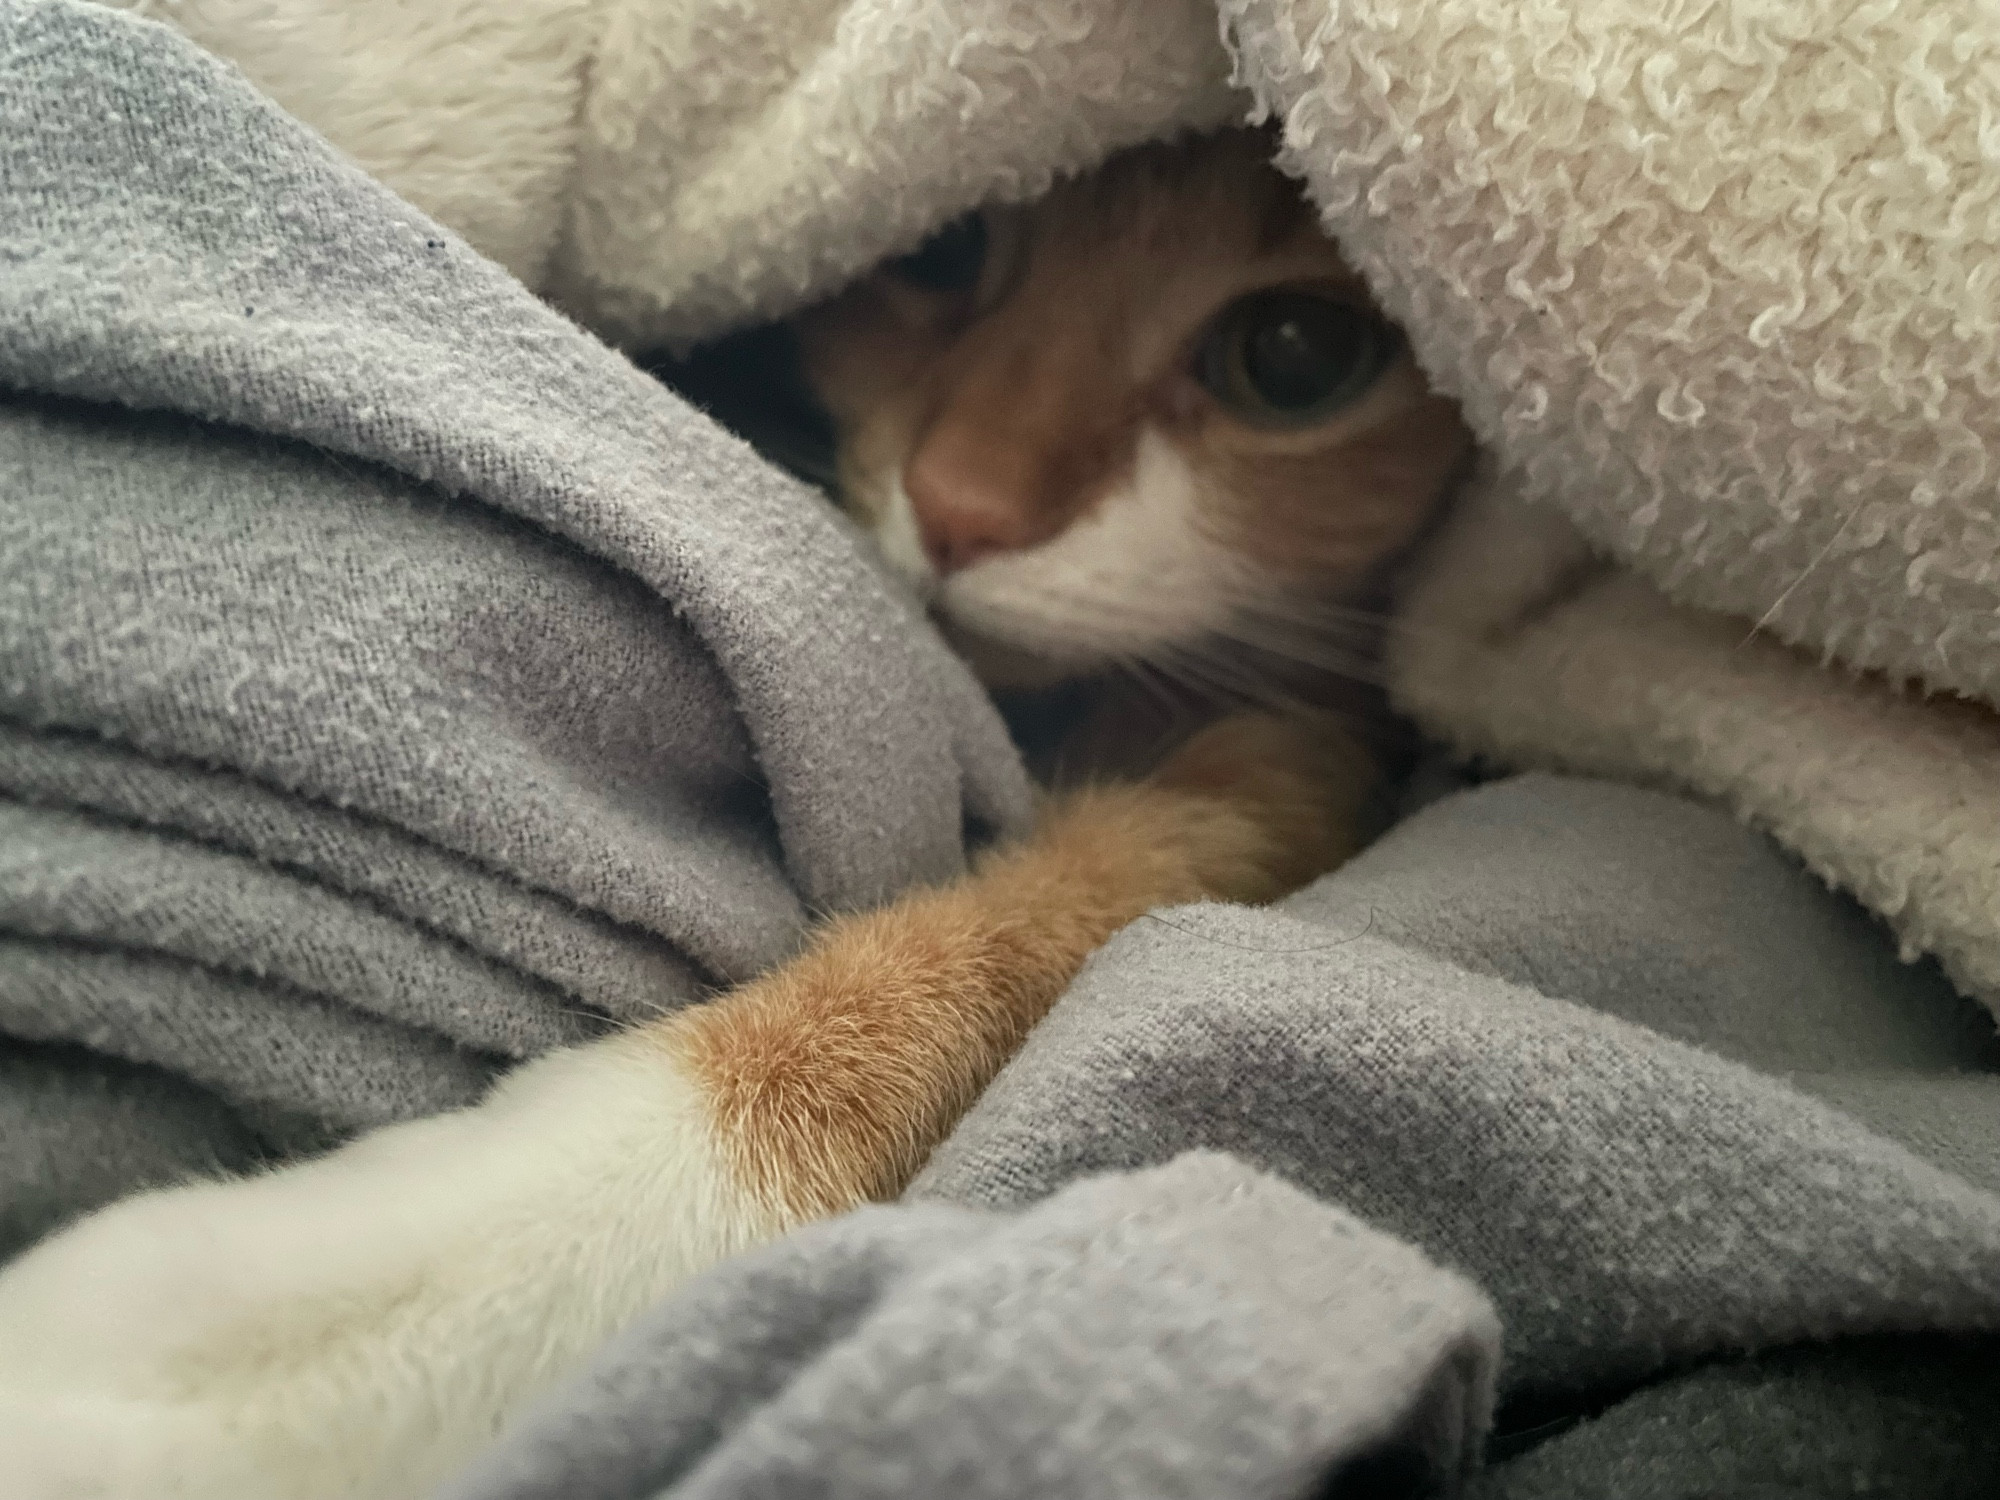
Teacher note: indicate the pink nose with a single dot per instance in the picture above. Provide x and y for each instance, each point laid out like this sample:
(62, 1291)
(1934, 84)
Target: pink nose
(970, 503)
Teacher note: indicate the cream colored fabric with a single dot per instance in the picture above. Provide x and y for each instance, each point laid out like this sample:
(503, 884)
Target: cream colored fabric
(668, 167)
(1718, 282)
(1719, 285)
(468, 108)
(1523, 646)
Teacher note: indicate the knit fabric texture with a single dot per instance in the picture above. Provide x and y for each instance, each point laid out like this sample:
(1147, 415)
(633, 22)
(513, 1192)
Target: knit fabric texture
(394, 682)
(1585, 1071)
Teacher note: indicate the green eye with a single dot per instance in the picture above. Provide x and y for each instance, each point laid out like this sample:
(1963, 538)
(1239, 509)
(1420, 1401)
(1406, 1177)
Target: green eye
(1288, 359)
(950, 260)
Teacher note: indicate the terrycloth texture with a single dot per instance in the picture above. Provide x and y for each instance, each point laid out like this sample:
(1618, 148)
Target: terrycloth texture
(1561, 1037)
(1716, 285)
(393, 681)
(1195, 1330)
(1524, 648)
(1718, 280)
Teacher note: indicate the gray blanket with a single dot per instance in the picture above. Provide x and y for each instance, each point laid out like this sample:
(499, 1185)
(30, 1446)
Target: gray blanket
(394, 683)
(1575, 1042)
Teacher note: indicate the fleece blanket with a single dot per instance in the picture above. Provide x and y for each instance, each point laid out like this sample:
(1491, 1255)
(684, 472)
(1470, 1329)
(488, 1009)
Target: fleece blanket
(396, 683)
(1715, 283)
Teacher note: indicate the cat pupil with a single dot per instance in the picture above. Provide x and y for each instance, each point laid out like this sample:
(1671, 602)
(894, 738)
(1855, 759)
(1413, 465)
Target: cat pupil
(1292, 356)
(1288, 365)
(950, 260)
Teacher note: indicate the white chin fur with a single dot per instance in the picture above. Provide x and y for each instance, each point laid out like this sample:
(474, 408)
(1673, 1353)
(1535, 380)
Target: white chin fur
(1140, 572)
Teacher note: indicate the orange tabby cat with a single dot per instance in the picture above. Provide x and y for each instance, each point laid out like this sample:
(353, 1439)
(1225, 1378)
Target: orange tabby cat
(1153, 414)
(1151, 421)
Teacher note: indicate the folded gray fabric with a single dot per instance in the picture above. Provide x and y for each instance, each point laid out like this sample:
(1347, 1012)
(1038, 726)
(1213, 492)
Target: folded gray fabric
(393, 681)
(1555, 1034)
(1909, 1418)
(77, 1128)
(1432, 1038)
(1195, 1330)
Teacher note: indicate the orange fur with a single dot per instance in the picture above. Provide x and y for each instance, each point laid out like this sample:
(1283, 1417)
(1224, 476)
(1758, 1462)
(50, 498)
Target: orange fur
(446, 1268)
(832, 1079)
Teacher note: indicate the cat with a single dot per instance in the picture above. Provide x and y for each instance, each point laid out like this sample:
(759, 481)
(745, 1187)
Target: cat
(1150, 423)
(1152, 418)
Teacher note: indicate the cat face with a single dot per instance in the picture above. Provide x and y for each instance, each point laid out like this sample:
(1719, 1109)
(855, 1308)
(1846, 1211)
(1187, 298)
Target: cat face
(1152, 414)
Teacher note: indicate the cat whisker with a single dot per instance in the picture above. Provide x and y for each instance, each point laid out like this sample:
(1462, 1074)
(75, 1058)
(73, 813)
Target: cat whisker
(1247, 654)
(1284, 654)
(1323, 616)
(1233, 678)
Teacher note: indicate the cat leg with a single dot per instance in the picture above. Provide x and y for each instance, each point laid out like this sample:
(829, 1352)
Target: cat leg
(355, 1327)
(832, 1080)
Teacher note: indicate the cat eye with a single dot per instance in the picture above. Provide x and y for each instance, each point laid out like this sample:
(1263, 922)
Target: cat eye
(950, 260)
(1291, 358)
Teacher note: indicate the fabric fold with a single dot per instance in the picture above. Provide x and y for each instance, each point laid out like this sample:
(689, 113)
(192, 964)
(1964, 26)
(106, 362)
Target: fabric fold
(618, 969)
(1589, 1047)
(1197, 1329)
(328, 311)
(394, 681)
(1548, 1031)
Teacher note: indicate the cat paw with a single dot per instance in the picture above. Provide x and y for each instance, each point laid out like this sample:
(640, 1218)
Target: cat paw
(357, 1327)
(1302, 785)
(145, 1352)
(60, 1440)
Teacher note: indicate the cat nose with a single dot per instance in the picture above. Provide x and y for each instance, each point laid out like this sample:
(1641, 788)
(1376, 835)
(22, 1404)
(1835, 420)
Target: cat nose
(968, 507)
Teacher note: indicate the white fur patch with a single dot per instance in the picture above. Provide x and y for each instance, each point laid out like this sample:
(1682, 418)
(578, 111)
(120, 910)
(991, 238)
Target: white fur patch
(901, 544)
(1140, 572)
(357, 1327)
